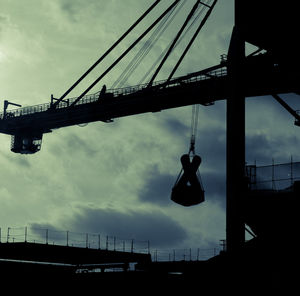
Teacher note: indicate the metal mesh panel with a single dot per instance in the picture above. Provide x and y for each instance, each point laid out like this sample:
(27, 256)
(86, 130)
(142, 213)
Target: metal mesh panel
(273, 177)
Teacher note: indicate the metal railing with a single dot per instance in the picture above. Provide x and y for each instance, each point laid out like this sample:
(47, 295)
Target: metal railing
(91, 98)
(38, 235)
(189, 254)
(73, 239)
(273, 177)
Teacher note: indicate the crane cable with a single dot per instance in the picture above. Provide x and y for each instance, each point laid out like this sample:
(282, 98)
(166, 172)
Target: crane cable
(148, 45)
(211, 7)
(125, 52)
(174, 42)
(194, 128)
(154, 65)
(107, 52)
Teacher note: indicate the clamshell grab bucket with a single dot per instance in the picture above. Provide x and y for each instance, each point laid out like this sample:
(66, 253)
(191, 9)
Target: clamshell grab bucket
(188, 189)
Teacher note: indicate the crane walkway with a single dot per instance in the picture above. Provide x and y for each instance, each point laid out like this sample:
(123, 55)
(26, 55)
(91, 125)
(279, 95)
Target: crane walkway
(221, 71)
(261, 77)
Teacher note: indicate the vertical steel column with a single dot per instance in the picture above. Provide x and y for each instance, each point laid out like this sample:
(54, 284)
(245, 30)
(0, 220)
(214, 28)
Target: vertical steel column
(235, 227)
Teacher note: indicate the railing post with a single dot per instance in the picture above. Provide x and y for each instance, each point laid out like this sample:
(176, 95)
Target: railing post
(132, 246)
(8, 228)
(292, 177)
(273, 181)
(67, 238)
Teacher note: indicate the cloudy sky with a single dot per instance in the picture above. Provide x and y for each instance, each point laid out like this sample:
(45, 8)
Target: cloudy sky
(116, 178)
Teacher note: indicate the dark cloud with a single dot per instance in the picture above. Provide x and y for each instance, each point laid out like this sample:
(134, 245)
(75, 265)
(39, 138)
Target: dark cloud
(214, 184)
(154, 226)
(211, 146)
(263, 148)
(175, 126)
(157, 188)
(76, 144)
(45, 232)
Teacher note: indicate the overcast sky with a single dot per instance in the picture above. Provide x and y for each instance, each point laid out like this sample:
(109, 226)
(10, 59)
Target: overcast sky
(116, 178)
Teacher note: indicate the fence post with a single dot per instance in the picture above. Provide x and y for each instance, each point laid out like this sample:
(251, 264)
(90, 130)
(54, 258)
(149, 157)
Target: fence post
(87, 240)
(25, 234)
(273, 175)
(107, 242)
(148, 247)
(292, 177)
(8, 228)
(67, 238)
(99, 246)
(46, 236)
(0, 235)
(132, 246)
(114, 243)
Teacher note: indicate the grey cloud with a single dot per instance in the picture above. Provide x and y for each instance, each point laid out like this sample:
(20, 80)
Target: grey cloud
(175, 126)
(157, 188)
(19, 160)
(211, 145)
(154, 226)
(22, 161)
(74, 9)
(214, 184)
(263, 148)
(41, 232)
(76, 144)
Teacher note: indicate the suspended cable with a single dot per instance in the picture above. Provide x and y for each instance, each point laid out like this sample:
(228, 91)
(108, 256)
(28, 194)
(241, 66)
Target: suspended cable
(194, 127)
(107, 52)
(174, 42)
(127, 51)
(166, 25)
(191, 41)
(154, 65)
(143, 52)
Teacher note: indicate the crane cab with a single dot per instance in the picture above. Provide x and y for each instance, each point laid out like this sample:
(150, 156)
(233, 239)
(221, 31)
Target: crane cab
(26, 143)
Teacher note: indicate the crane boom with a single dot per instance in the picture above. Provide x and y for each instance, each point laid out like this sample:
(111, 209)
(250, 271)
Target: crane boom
(28, 124)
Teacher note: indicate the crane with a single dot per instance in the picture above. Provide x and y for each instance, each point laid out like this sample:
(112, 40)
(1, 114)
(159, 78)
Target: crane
(28, 124)
(262, 75)
(271, 70)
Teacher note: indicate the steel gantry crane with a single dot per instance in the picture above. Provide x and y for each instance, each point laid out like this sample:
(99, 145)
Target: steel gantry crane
(27, 125)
